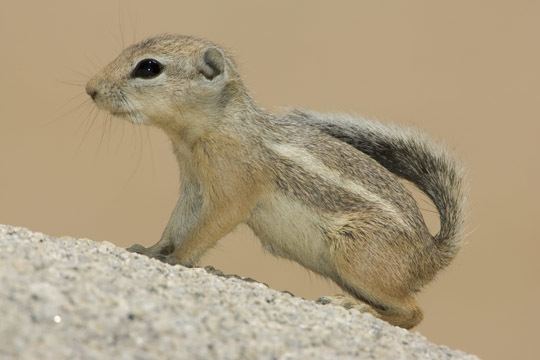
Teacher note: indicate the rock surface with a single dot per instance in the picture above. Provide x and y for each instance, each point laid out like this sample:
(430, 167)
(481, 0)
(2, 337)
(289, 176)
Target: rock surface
(65, 298)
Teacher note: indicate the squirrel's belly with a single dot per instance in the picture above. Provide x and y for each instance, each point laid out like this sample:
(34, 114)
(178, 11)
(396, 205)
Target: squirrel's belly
(289, 229)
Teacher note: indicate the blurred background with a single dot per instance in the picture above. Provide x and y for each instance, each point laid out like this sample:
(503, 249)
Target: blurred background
(466, 72)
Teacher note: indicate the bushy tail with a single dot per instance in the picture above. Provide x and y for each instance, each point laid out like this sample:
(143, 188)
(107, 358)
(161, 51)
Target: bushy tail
(412, 156)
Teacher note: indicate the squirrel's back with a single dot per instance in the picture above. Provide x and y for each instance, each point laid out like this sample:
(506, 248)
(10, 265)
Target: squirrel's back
(411, 155)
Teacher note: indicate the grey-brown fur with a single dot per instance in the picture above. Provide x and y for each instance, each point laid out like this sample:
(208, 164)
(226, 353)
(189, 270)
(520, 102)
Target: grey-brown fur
(322, 190)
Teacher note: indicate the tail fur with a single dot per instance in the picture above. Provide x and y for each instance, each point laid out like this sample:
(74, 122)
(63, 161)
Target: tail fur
(410, 155)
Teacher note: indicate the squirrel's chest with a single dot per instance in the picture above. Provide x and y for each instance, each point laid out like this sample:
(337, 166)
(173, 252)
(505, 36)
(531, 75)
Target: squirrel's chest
(289, 229)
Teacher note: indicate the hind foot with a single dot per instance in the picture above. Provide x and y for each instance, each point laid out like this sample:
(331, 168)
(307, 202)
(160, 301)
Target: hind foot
(405, 313)
(348, 303)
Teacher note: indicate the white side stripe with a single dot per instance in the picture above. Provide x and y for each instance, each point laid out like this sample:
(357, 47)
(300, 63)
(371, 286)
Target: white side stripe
(313, 165)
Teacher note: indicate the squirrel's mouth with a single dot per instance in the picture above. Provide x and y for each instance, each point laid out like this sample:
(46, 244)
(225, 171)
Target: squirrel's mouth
(112, 109)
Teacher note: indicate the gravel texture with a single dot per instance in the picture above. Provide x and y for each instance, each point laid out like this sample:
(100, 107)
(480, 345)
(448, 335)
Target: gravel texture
(66, 298)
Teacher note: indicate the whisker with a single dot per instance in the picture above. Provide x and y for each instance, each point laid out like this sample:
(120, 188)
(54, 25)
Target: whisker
(133, 21)
(121, 137)
(84, 121)
(115, 39)
(69, 100)
(80, 73)
(110, 122)
(151, 150)
(94, 112)
(77, 84)
(70, 111)
(120, 27)
(139, 157)
(103, 130)
(92, 62)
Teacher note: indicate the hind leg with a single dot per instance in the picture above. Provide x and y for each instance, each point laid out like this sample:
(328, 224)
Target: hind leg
(400, 312)
(375, 287)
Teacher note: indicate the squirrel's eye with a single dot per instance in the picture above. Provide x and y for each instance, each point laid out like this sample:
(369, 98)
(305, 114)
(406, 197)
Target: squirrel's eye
(147, 69)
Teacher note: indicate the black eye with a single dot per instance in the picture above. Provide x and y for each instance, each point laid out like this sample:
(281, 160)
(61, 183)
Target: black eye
(147, 69)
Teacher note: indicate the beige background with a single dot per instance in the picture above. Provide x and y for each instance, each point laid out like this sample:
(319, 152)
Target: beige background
(467, 72)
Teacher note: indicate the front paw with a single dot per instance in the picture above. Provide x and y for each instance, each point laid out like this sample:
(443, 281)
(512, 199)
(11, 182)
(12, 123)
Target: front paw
(137, 248)
(165, 255)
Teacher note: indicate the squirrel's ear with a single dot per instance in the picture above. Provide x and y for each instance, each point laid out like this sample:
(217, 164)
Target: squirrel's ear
(212, 63)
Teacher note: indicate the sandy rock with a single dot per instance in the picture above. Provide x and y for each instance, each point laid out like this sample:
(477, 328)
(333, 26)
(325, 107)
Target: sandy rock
(64, 298)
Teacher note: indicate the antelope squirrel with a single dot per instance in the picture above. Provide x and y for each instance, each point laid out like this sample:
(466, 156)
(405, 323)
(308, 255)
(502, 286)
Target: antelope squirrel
(318, 189)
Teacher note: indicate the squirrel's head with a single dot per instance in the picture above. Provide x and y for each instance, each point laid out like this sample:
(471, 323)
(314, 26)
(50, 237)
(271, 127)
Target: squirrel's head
(160, 79)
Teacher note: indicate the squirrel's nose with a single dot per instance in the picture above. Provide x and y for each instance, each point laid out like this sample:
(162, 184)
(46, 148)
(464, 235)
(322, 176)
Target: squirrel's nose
(91, 91)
